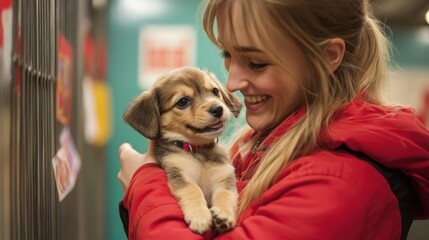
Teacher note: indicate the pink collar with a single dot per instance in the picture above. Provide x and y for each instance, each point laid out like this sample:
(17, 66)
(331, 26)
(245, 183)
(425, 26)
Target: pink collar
(192, 148)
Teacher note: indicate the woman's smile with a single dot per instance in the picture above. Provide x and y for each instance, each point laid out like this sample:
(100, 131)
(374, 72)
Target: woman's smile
(254, 103)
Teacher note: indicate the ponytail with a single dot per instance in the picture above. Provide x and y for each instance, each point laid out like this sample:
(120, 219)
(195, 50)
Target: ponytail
(373, 54)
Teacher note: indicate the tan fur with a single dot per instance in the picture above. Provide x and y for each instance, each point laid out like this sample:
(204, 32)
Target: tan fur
(203, 181)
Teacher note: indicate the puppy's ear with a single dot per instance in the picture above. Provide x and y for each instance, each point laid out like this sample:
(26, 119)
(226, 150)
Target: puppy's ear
(232, 102)
(143, 114)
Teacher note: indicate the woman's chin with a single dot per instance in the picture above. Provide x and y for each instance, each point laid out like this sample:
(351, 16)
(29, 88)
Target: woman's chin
(258, 123)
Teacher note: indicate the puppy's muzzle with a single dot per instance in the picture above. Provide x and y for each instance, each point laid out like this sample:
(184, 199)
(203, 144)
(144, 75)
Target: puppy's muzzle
(216, 111)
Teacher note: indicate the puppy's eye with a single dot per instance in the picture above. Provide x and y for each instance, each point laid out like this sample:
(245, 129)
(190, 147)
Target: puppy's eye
(183, 102)
(216, 92)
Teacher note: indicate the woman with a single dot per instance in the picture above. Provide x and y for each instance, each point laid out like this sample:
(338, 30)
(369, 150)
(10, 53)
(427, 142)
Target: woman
(311, 74)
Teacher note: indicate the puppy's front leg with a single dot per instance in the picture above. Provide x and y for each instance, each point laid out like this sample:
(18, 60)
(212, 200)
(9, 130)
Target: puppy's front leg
(194, 206)
(224, 204)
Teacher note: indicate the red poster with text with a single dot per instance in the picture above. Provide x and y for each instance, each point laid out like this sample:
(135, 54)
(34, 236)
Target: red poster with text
(64, 80)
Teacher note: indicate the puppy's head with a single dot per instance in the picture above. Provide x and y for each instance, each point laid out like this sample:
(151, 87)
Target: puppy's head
(185, 104)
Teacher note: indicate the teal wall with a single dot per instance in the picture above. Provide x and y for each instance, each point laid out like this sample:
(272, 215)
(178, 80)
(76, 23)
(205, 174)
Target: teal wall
(411, 46)
(123, 34)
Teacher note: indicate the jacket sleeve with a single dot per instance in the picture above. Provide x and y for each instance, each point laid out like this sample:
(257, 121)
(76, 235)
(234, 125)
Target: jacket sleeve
(304, 207)
(153, 211)
(316, 207)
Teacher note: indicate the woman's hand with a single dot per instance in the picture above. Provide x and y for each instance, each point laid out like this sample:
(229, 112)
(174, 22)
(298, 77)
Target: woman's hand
(131, 160)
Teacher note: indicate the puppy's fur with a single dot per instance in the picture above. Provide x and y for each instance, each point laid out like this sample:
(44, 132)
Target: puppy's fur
(188, 108)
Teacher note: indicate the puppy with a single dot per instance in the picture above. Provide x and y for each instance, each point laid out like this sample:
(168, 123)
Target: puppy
(185, 111)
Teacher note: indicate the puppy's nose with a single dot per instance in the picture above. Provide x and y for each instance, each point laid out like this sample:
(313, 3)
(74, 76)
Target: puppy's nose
(216, 111)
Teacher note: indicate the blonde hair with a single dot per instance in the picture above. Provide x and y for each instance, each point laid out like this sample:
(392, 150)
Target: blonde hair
(311, 24)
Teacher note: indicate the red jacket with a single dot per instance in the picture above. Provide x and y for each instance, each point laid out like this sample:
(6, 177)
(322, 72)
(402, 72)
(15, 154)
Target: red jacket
(328, 194)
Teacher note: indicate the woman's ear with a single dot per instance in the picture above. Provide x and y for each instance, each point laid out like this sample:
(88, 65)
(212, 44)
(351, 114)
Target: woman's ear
(335, 52)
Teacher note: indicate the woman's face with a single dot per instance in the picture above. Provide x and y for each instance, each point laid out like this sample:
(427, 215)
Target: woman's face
(270, 94)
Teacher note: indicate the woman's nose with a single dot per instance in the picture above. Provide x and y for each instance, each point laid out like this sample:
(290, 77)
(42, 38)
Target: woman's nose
(237, 79)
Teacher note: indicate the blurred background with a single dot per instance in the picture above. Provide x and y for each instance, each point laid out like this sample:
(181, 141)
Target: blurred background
(68, 70)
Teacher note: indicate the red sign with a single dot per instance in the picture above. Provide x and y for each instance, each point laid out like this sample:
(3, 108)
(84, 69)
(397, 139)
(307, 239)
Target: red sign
(64, 80)
(163, 48)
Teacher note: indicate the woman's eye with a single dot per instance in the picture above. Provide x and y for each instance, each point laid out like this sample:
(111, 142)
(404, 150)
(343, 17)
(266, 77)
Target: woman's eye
(216, 92)
(225, 54)
(183, 102)
(255, 65)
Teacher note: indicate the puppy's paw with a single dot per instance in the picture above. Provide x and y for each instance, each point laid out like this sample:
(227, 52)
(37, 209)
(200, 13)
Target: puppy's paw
(199, 220)
(224, 219)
